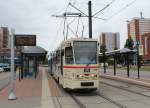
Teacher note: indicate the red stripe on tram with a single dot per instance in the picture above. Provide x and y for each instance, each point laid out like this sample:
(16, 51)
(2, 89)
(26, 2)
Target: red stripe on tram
(80, 66)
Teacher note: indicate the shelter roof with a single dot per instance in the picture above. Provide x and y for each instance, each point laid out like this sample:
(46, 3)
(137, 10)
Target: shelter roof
(34, 50)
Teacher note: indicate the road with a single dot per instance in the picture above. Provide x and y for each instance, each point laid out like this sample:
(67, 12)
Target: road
(4, 79)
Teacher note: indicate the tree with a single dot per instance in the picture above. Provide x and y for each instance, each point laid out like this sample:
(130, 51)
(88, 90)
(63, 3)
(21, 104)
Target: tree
(102, 49)
(129, 43)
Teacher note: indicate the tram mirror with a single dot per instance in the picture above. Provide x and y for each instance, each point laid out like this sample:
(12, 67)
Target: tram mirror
(68, 44)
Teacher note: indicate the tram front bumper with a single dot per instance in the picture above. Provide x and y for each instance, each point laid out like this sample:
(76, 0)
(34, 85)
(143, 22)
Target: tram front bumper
(81, 84)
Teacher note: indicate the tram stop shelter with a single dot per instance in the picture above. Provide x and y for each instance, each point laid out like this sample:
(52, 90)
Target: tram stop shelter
(31, 57)
(126, 53)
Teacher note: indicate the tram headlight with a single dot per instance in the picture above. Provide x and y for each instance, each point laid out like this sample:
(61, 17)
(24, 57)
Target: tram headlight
(80, 76)
(93, 75)
(87, 75)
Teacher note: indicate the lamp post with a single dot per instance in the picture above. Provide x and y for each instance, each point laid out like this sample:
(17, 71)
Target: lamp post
(138, 61)
(12, 95)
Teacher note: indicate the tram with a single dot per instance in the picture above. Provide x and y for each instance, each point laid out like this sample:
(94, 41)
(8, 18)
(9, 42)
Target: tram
(75, 64)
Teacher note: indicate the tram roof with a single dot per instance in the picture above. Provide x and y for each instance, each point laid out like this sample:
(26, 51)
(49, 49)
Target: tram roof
(81, 39)
(76, 39)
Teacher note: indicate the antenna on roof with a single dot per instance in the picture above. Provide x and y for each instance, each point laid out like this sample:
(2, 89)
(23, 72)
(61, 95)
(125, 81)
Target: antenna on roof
(141, 14)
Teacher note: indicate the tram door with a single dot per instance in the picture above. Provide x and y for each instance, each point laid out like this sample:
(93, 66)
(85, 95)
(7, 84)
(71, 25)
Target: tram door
(31, 67)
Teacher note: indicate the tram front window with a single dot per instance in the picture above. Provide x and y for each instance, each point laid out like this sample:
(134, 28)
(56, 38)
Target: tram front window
(85, 52)
(68, 55)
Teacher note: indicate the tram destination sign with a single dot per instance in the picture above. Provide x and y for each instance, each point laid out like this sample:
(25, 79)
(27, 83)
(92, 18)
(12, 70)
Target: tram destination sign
(25, 40)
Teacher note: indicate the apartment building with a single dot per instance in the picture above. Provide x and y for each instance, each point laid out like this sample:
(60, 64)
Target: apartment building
(110, 40)
(139, 30)
(4, 37)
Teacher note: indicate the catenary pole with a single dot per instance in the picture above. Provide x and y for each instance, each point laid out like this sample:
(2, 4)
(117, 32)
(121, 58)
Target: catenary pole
(90, 18)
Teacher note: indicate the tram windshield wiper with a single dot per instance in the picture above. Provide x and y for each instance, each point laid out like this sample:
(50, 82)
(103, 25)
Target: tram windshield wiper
(93, 58)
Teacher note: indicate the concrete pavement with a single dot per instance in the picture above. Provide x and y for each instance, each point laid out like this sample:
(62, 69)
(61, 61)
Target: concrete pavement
(4, 79)
(31, 93)
(47, 100)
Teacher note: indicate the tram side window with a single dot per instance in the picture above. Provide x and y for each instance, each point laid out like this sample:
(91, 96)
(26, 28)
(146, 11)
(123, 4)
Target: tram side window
(57, 57)
(68, 55)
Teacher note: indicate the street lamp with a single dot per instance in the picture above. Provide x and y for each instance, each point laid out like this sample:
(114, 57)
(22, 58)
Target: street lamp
(138, 61)
(12, 95)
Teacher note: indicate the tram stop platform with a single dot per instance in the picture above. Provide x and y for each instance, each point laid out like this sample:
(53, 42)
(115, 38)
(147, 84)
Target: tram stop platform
(132, 80)
(31, 93)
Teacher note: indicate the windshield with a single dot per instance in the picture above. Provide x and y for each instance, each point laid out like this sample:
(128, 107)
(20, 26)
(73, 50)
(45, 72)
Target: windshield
(85, 52)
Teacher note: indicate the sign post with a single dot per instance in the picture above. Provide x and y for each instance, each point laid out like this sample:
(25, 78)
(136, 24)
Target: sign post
(138, 60)
(12, 95)
(140, 49)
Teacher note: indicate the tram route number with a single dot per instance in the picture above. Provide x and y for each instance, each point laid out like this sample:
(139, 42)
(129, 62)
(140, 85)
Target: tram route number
(86, 69)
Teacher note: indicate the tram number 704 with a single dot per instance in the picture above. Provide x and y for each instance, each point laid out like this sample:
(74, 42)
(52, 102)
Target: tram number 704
(86, 69)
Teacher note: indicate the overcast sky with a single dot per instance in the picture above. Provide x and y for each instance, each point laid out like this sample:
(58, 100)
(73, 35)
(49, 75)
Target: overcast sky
(34, 17)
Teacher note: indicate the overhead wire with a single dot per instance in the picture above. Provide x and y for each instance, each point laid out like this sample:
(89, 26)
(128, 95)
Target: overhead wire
(67, 24)
(64, 27)
(65, 35)
(82, 28)
(72, 21)
(122, 9)
(77, 9)
(103, 8)
(104, 19)
(77, 27)
(58, 30)
(70, 28)
(59, 27)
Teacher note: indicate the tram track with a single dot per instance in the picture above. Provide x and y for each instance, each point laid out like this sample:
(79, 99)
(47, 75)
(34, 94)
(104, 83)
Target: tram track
(86, 100)
(79, 101)
(125, 89)
(99, 94)
(81, 105)
(57, 102)
(111, 100)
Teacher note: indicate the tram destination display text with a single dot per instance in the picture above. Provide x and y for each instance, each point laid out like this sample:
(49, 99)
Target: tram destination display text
(25, 40)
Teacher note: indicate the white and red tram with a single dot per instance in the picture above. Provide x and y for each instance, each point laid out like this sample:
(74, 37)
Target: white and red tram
(75, 64)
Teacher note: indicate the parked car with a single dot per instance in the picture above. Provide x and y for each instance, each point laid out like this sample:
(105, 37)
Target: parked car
(1, 69)
(5, 66)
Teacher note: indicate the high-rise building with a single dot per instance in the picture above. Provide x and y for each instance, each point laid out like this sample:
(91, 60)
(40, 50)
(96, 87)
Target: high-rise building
(138, 27)
(139, 30)
(146, 46)
(4, 37)
(4, 41)
(110, 40)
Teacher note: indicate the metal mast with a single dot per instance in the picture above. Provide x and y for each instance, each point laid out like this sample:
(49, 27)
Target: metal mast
(90, 18)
